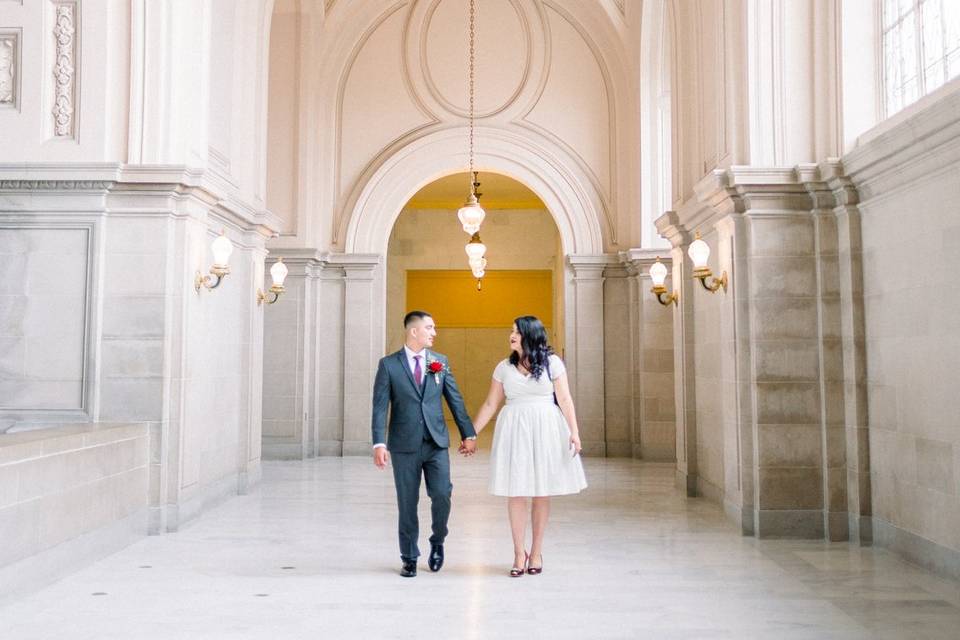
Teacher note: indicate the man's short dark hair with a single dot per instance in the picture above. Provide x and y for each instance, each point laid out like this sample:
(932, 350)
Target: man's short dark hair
(414, 315)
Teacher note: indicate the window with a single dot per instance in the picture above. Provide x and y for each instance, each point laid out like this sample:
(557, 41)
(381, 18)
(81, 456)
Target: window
(921, 49)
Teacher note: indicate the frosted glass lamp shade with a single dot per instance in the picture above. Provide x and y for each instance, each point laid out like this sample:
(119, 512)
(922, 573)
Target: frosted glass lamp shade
(278, 272)
(471, 215)
(699, 253)
(475, 248)
(222, 248)
(658, 273)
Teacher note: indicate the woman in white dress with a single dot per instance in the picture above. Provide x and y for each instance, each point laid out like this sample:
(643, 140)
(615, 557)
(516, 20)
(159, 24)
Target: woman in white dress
(536, 444)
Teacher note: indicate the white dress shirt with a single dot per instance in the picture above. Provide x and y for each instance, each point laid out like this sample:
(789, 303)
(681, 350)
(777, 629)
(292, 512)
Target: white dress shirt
(413, 363)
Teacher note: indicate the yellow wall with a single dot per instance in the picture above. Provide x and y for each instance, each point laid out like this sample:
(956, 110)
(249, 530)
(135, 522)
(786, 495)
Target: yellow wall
(473, 328)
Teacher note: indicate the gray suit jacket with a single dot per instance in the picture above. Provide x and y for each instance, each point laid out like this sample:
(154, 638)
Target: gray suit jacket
(414, 409)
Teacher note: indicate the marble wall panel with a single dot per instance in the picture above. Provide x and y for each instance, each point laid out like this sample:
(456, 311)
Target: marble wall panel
(45, 271)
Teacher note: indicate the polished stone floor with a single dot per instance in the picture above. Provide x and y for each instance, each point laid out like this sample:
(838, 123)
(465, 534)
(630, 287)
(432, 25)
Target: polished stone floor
(312, 554)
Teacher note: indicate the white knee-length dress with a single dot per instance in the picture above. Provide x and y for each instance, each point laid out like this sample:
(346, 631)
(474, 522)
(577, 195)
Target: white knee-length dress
(531, 454)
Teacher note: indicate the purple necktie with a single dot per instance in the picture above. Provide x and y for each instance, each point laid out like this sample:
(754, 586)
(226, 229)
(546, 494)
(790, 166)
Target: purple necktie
(417, 371)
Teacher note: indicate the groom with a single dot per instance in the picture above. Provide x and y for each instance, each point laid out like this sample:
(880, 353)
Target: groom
(411, 382)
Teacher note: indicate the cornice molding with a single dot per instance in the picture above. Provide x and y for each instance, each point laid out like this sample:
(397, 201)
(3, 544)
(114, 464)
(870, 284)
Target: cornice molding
(758, 192)
(916, 148)
(110, 179)
(354, 261)
(646, 257)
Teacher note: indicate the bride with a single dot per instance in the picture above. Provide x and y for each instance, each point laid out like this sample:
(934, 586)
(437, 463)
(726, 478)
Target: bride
(536, 444)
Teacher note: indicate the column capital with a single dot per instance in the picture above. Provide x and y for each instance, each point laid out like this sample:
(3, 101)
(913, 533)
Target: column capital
(759, 192)
(670, 227)
(638, 261)
(355, 266)
(590, 267)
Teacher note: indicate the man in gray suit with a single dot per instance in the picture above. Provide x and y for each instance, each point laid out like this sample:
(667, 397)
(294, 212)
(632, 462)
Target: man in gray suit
(410, 383)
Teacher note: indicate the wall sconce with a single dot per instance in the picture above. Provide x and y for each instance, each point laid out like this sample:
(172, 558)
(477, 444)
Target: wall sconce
(699, 253)
(222, 248)
(278, 273)
(658, 273)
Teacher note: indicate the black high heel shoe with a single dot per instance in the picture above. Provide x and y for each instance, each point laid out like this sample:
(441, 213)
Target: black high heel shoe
(535, 571)
(517, 572)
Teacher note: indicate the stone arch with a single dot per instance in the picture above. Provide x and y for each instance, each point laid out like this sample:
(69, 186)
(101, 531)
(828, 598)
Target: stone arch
(568, 193)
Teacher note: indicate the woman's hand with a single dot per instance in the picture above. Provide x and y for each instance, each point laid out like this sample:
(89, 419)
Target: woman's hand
(575, 443)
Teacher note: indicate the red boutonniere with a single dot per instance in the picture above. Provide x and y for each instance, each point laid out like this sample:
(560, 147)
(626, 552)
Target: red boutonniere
(436, 368)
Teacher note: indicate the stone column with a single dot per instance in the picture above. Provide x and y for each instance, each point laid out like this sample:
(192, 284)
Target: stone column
(653, 407)
(790, 405)
(328, 383)
(251, 415)
(617, 360)
(685, 392)
(287, 360)
(739, 409)
(362, 346)
(585, 352)
(853, 353)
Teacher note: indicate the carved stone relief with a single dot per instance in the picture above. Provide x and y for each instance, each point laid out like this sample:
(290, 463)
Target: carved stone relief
(9, 63)
(64, 71)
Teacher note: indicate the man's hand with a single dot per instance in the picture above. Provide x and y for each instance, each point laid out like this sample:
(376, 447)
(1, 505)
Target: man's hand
(381, 457)
(468, 447)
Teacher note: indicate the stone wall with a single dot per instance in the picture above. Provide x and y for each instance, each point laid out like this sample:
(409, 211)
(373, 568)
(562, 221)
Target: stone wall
(908, 176)
(102, 322)
(76, 492)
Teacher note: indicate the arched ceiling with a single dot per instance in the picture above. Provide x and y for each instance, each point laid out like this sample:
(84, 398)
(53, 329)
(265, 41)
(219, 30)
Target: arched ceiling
(498, 192)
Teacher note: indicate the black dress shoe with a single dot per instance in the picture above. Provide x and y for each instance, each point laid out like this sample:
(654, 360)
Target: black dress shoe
(436, 557)
(409, 569)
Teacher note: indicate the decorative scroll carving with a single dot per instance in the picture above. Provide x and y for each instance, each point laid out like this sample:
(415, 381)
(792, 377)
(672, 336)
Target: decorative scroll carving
(9, 51)
(55, 185)
(64, 72)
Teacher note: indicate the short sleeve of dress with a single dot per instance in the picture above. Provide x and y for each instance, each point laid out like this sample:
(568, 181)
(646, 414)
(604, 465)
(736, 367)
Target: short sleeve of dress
(500, 371)
(557, 367)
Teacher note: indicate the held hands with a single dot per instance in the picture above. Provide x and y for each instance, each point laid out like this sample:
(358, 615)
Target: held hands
(381, 457)
(467, 448)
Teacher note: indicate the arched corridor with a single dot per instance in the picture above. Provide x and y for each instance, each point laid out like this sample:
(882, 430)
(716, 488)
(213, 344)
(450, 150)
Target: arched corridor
(745, 215)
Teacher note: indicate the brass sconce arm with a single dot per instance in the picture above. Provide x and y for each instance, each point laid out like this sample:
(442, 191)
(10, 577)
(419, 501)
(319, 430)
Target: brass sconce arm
(715, 283)
(276, 290)
(671, 298)
(212, 281)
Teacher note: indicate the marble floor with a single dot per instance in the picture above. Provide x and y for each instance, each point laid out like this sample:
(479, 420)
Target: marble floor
(312, 554)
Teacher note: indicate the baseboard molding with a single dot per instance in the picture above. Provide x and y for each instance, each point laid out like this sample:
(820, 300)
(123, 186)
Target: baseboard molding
(742, 518)
(352, 448)
(46, 567)
(619, 450)
(655, 454)
(919, 550)
(838, 526)
(801, 524)
(282, 451)
(861, 529)
(688, 482)
(202, 500)
(327, 448)
(250, 478)
(709, 490)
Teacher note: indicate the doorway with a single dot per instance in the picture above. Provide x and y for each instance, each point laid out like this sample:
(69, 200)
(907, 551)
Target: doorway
(427, 270)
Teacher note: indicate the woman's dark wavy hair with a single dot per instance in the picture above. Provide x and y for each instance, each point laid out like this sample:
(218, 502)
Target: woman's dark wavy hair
(533, 341)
